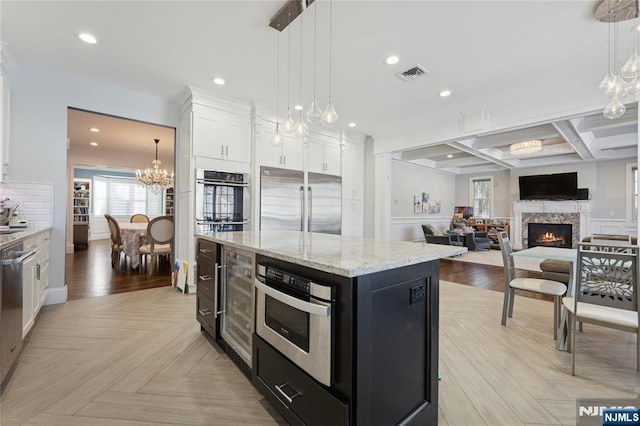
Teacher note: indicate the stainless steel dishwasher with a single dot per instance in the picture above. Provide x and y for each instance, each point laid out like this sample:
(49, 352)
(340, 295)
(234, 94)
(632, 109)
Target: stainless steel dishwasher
(11, 259)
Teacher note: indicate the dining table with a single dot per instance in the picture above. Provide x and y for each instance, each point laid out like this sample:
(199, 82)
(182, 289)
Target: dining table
(564, 254)
(133, 235)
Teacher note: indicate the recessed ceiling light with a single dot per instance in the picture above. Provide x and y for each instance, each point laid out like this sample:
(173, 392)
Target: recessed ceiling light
(392, 60)
(298, 107)
(87, 38)
(94, 129)
(94, 144)
(352, 124)
(449, 155)
(219, 81)
(444, 93)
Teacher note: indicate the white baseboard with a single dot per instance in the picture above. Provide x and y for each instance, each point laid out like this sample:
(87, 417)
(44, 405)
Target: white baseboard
(69, 248)
(56, 295)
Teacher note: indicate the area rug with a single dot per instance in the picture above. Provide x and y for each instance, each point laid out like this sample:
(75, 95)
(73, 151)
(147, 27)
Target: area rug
(494, 257)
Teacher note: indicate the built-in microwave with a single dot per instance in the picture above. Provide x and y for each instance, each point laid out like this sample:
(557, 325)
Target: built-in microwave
(222, 200)
(296, 316)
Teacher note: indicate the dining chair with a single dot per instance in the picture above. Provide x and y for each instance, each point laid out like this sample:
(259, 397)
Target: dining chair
(160, 238)
(139, 218)
(533, 285)
(606, 294)
(116, 240)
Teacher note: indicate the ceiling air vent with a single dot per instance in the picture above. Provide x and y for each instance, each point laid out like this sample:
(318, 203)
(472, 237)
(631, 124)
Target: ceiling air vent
(412, 73)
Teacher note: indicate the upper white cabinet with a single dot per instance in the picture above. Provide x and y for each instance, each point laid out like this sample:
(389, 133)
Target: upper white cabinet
(221, 135)
(324, 155)
(287, 156)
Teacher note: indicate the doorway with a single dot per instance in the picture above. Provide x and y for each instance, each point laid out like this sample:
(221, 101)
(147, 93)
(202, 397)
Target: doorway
(103, 155)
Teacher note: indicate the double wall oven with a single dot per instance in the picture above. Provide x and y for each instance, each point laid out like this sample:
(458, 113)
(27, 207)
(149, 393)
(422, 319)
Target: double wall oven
(222, 200)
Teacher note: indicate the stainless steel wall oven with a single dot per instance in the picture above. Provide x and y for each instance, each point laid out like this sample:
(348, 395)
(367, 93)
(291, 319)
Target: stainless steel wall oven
(295, 315)
(220, 200)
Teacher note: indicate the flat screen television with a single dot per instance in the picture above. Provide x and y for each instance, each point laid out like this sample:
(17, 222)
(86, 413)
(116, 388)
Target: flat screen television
(558, 186)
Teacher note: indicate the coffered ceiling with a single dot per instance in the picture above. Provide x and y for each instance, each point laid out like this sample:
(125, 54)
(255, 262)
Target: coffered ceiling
(523, 63)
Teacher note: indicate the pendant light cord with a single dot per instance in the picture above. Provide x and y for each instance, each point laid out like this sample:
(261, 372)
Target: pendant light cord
(330, 43)
(300, 62)
(289, 67)
(278, 80)
(315, 35)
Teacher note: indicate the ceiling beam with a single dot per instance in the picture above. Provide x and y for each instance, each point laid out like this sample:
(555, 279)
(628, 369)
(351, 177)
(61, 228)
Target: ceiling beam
(501, 139)
(467, 146)
(599, 121)
(573, 138)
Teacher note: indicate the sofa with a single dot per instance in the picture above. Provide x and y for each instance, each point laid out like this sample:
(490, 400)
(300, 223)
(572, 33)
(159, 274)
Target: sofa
(558, 270)
(471, 240)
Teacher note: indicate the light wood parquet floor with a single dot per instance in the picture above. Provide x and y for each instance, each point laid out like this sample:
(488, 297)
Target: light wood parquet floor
(139, 358)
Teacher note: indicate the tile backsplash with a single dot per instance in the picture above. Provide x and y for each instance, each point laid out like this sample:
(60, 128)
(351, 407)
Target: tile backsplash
(35, 201)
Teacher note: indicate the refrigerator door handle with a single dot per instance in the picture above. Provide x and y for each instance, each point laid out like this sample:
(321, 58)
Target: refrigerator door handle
(302, 208)
(310, 209)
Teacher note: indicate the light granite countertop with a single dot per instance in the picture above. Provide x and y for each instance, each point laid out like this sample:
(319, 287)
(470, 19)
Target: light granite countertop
(345, 256)
(7, 240)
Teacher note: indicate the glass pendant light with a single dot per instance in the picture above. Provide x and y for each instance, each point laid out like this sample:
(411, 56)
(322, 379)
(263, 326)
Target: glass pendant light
(277, 138)
(606, 85)
(614, 108)
(634, 86)
(314, 112)
(329, 117)
(289, 123)
(301, 128)
(632, 67)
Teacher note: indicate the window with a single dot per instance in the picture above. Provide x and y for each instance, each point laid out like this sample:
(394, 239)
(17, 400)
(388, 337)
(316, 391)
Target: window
(482, 196)
(123, 197)
(632, 191)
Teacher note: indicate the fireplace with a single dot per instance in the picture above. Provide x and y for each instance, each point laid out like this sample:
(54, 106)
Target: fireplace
(549, 235)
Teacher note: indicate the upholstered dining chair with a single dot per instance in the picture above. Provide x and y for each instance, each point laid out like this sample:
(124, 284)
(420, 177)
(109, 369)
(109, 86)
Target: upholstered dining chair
(139, 218)
(160, 238)
(533, 285)
(116, 241)
(606, 293)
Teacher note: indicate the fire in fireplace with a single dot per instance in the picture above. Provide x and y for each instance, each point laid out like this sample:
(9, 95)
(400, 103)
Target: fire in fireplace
(549, 235)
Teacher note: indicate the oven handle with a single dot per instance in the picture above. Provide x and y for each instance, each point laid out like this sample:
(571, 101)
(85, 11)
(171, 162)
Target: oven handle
(308, 307)
(221, 183)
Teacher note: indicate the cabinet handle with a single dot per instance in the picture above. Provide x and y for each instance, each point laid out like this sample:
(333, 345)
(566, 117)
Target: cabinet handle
(280, 160)
(204, 312)
(221, 149)
(284, 159)
(204, 277)
(38, 271)
(205, 250)
(226, 150)
(283, 393)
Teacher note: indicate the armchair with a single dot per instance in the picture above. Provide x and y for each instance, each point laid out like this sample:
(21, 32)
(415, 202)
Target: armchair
(477, 241)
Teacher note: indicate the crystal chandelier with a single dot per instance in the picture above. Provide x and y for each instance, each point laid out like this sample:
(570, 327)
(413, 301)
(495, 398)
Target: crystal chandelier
(525, 148)
(155, 179)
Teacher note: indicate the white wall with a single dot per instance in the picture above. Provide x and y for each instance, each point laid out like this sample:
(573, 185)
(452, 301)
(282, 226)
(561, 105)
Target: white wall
(38, 141)
(409, 180)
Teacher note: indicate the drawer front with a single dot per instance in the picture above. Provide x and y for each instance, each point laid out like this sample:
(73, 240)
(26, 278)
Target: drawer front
(205, 312)
(206, 251)
(206, 278)
(309, 401)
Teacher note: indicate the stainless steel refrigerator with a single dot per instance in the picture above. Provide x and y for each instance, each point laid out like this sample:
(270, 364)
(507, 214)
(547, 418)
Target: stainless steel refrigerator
(288, 203)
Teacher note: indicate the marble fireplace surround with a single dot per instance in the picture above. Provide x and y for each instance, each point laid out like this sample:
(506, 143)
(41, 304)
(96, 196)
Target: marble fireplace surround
(574, 212)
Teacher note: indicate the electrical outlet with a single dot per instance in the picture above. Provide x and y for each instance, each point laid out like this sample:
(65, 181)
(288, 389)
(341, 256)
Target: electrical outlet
(418, 294)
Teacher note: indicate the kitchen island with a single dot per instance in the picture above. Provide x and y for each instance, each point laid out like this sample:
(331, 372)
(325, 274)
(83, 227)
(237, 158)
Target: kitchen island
(364, 352)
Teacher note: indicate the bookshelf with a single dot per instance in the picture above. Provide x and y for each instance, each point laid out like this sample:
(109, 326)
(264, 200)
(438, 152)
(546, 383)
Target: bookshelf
(492, 229)
(81, 209)
(168, 201)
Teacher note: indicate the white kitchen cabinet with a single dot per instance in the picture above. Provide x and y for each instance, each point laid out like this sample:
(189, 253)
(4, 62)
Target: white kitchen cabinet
(353, 190)
(29, 284)
(42, 268)
(324, 156)
(35, 279)
(287, 156)
(221, 135)
(352, 218)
